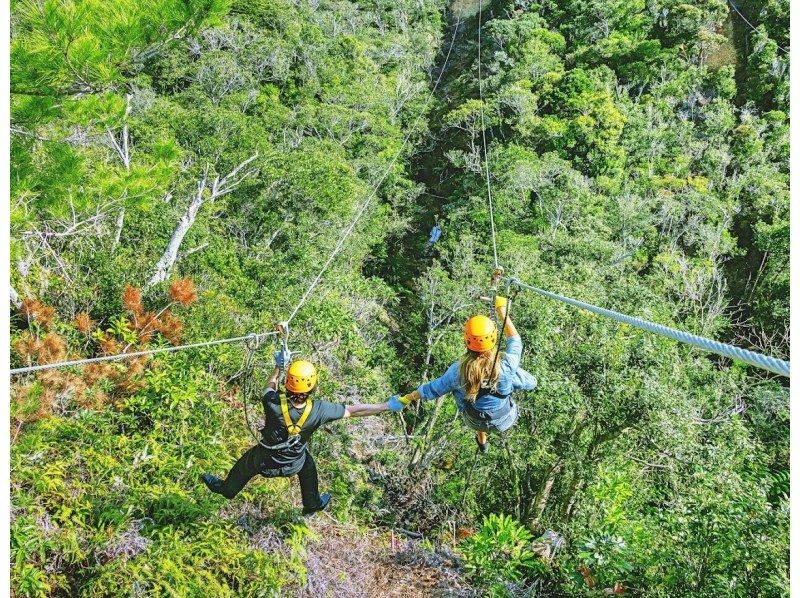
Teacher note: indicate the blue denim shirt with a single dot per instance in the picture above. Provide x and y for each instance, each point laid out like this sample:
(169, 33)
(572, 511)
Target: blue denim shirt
(449, 381)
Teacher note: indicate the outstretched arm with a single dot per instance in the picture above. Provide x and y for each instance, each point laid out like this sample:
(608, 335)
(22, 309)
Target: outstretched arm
(365, 409)
(273, 379)
(501, 306)
(513, 349)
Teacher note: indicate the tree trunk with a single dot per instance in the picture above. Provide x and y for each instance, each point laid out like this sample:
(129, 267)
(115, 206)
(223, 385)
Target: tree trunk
(419, 451)
(186, 221)
(15, 300)
(118, 228)
(543, 496)
(219, 187)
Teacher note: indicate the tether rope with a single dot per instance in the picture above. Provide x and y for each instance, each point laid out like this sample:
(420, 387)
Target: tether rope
(248, 384)
(63, 364)
(348, 231)
(753, 27)
(772, 364)
(483, 136)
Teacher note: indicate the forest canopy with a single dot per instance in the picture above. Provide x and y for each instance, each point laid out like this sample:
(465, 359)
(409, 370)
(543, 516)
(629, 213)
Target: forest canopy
(181, 171)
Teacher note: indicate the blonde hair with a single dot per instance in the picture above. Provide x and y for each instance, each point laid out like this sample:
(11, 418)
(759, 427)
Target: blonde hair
(477, 367)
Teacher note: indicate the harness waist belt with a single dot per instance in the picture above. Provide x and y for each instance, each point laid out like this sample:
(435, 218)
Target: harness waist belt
(293, 441)
(501, 411)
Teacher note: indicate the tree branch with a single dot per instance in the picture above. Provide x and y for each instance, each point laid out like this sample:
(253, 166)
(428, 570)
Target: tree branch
(220, 186)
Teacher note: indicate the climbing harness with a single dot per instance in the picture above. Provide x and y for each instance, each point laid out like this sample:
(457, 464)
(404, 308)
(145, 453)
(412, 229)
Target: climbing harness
(294, 428)
(293, 441)
(772, 364)
(489, 416)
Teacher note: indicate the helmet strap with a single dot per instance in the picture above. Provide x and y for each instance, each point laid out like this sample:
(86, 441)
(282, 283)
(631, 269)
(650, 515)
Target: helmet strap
(297, 398)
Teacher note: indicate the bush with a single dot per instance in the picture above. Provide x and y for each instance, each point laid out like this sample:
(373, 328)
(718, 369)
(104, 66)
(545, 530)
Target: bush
(499, 553)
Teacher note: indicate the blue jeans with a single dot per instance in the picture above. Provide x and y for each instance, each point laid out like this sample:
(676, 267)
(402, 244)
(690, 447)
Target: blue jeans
(498, 420)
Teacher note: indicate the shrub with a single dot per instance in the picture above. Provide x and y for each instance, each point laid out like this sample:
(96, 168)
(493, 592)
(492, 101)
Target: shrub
(499, 552)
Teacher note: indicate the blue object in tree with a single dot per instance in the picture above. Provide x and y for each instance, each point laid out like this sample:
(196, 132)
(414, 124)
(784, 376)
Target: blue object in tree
(436, 234)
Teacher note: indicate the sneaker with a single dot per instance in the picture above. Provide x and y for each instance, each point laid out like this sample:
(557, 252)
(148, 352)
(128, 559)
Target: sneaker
(482, 447)
(324, 500)
(212, 482)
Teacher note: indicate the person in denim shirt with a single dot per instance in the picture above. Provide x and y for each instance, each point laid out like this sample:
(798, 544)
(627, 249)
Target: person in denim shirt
(482, 381)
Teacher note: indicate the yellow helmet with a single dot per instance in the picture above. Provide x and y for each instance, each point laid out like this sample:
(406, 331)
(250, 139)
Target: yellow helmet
(301, 377)
(480, 334)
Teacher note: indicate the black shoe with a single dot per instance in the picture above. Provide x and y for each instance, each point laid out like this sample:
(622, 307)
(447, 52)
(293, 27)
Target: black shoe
(324, 500)
(482, 447)
(212, 482)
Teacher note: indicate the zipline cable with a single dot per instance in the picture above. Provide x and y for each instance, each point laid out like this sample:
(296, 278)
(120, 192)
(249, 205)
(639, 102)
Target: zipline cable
(772, 364)
(63, 364)
(483, 136)
(753, 27)
(348, 231)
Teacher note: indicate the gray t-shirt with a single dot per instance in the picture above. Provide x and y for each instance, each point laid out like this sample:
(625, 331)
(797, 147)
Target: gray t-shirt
(275, 432)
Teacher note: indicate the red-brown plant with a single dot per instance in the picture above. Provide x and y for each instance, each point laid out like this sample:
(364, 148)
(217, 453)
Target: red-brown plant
(110, 346)
(132, 299)
(35, 310)
(183, 291)
(170, 327)
(83, 323)
(28, 346)
(59, 388)
(53, 349)
(97, 371)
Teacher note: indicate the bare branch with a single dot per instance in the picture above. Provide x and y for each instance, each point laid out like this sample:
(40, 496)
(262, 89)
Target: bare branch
(189, 252)
(220, 186)
(15, 300)
(118, 228)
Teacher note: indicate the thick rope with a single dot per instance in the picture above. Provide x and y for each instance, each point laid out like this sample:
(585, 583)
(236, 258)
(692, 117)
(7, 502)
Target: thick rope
(772, 364)
(753, 27)
(64, 364)
(483, 136)
(348, 231)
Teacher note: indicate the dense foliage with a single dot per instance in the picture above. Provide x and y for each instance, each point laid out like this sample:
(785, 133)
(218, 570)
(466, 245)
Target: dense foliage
(180, 172)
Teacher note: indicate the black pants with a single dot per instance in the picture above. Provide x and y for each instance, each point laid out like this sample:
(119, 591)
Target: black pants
(257, 460)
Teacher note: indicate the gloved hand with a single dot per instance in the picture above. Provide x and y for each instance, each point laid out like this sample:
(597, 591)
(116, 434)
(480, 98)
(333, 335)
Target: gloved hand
(395, 404)
(410, 397)
(283, 358)
(500, 301)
